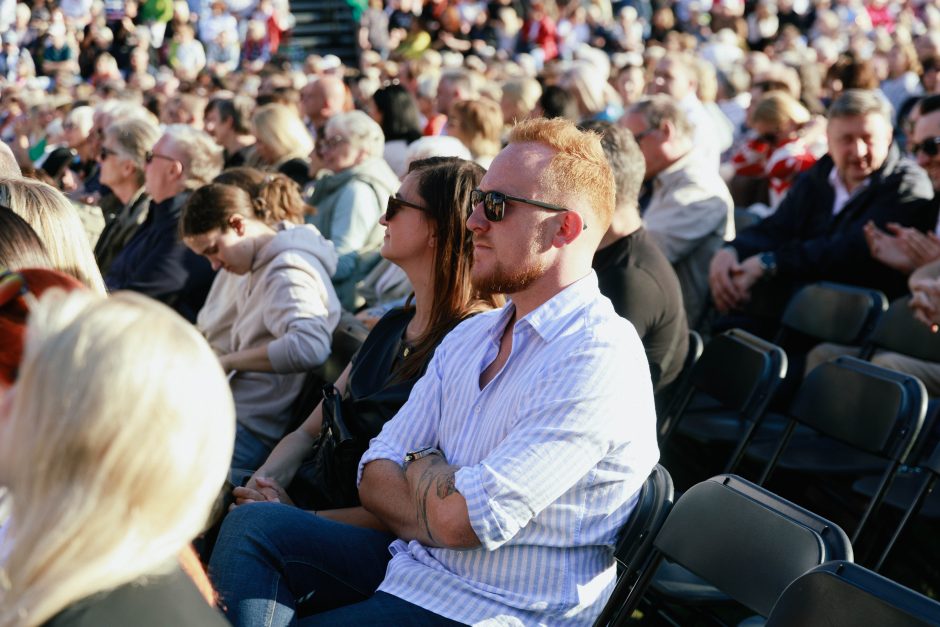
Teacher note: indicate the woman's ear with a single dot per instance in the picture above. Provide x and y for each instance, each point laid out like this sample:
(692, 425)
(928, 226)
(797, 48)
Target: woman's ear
(237, 224)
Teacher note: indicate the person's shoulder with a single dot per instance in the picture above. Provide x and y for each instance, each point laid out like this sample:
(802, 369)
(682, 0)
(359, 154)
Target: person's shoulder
(909, 179)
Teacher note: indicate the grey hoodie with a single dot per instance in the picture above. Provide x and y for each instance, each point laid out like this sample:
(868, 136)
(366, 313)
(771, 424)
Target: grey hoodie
(289, 301)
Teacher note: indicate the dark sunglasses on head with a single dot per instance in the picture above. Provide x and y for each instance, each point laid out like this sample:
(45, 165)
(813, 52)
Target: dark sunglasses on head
(930, 147)
(494, 204)
(396, 204)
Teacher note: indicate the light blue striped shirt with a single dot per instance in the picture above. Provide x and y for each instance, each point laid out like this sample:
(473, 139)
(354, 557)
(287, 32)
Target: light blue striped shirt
(551, 453)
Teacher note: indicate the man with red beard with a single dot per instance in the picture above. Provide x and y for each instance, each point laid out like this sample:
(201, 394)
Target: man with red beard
(501, 485)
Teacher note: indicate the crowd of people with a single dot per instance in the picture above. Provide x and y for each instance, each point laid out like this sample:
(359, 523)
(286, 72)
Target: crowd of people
(522, 207)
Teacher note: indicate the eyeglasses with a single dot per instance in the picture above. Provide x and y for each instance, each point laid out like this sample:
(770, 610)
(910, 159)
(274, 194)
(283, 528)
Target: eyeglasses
(639, 136)
(930, 147)
(330, 142)
(396, 204)
(494, 204)
(151, 155)
(106, 152)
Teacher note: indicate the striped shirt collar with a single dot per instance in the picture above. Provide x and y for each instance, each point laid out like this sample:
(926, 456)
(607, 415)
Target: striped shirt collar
(554, 315)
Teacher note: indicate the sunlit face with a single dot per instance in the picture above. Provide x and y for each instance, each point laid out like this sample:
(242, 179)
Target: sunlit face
(408, 234)
(512, 254)
(111, 163)
(164, 173)
(337, 153)
(216, 127)
(858, 145)
(226, 250)
(671, 78)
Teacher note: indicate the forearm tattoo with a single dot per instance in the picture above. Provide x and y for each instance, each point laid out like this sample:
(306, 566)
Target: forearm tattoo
(444, 484)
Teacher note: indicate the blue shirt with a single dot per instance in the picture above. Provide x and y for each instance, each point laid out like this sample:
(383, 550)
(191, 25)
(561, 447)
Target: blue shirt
(552, 453)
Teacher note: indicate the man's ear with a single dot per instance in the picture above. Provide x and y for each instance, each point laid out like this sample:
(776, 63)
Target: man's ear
(668, 129)
(569, 228)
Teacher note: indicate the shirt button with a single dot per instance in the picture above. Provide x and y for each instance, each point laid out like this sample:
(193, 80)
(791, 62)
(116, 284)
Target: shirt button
(477, 409)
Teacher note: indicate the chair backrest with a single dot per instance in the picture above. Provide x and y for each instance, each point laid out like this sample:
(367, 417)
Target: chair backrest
(739, 370)
(635, 545)
(672, 395)
(833, 312)
(900, 332)
(843, 594)
(871, 408)
(747, 542)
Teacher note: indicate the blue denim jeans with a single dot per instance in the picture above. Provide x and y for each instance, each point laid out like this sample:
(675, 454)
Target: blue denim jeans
(250, 452)
(270, 558)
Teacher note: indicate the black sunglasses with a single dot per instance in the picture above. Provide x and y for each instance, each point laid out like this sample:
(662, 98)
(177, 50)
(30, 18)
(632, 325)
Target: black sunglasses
(151, 155)
(396, 204)
(107, 152)
(930, 147)
(494, 204)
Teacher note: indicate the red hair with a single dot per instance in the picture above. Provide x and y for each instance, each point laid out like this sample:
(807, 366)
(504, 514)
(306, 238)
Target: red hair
(15, 291)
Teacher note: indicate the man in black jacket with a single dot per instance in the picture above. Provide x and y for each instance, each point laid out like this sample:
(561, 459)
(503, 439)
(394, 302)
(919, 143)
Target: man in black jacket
(155, 262)
(817, 233)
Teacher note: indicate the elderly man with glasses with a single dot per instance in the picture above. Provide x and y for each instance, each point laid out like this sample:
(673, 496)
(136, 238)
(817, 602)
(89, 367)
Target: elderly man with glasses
(155, 261)
(496, 494)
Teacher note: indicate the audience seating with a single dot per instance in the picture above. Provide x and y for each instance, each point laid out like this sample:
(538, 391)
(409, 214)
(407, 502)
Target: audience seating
(900, 332)
(747, 542)
(832, 312)
(738, 371)
(874, 412)
(635, 546)
(843, 594)
(667, 398)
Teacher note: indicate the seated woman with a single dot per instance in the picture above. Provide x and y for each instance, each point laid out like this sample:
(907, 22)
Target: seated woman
(287, 309)
(349, 201)
(425, 234)
(283, 141)
(140, 412)
(278, 200)
(395, 110)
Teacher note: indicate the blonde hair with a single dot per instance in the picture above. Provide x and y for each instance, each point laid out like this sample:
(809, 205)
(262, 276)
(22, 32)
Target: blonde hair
(281, 128)
(778, 109)
(58, 225)
(524, 93)
(479, 125)
(141, 415)
(579, 169)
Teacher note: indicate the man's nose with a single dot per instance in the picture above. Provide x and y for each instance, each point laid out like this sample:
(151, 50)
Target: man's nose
(476, 221)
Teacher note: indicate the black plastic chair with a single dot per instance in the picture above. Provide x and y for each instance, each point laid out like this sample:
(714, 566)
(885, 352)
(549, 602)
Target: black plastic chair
(740, 372)
(900, 332)
(635, 545)
(930, 467)
(843, 594)
(832, 312)
(667, 398)
(874, 412)
(740, 538)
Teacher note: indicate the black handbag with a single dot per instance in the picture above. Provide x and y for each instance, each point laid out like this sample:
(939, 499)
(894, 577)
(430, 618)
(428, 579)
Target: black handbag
(323, 479)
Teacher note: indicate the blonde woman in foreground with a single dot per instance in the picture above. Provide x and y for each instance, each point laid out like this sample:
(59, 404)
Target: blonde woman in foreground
(113, 475)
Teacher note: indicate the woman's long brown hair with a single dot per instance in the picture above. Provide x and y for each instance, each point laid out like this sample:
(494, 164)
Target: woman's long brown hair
(444, 185)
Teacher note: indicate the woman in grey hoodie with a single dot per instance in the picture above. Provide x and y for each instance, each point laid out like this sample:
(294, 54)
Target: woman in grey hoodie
(286, 308)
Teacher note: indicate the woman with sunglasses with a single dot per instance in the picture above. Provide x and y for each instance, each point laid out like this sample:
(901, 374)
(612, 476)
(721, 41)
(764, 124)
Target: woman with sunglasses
(426, 235)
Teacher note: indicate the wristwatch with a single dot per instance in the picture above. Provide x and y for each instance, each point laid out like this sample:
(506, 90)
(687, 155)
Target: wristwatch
(768, 263)
(414, 456)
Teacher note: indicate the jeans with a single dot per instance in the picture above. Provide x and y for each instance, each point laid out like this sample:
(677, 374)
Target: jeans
(250, 452)
(270, 558)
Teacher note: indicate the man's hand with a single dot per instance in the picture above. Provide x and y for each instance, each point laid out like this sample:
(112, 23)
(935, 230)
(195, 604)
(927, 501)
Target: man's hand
(888, 249)
(721, 278)
(922, 248)
(751, 271)
(926, 302)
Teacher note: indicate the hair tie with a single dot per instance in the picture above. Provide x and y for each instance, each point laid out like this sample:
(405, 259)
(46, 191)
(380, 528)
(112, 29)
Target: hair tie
(12, 286)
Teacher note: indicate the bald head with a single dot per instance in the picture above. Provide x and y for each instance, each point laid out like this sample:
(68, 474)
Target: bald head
(323, 98)
(9, 168)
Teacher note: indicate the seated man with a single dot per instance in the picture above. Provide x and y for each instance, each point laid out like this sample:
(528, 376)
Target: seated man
(155, 262)
(503, 481)
(905, 249)
(817, 233)
(631, 270)
(690, 213)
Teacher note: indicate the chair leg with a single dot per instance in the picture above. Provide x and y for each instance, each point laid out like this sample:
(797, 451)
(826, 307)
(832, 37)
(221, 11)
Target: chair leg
(926, 487)
(772, 462)
(883, 487)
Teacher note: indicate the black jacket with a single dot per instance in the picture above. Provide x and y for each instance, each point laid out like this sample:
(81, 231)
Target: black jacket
(156, 263)
(813, 245)
(154, 602)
